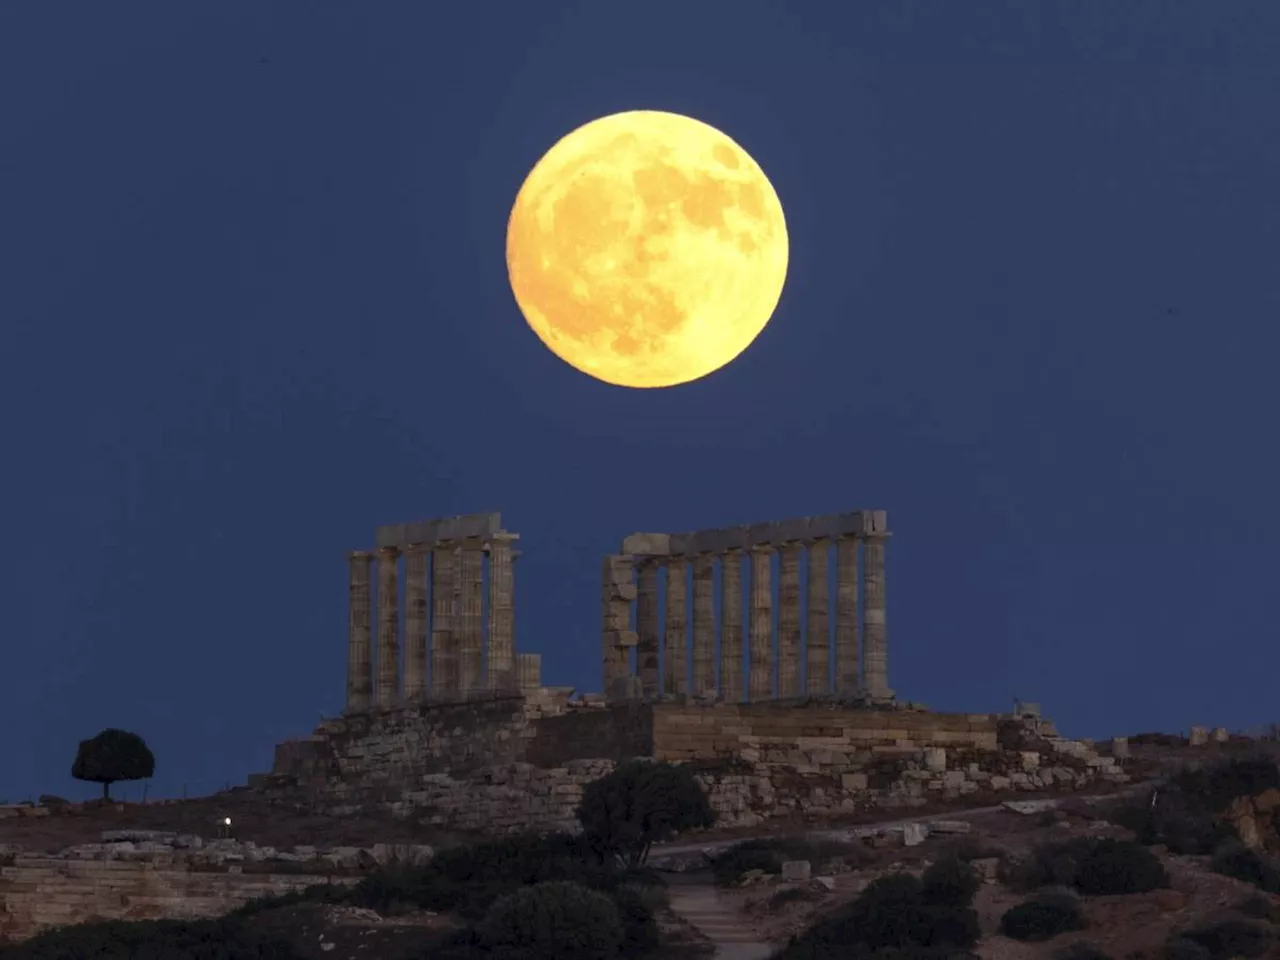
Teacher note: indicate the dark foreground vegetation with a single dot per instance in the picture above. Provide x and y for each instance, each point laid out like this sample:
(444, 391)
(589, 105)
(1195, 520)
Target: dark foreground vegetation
(586, 897)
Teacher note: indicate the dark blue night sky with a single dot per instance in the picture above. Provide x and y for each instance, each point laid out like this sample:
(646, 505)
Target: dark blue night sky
(252, 309)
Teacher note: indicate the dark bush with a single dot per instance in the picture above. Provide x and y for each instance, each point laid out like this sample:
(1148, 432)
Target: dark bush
(150, 940)
(1259, 907)
(640, 934)
(949, 882)
(1080, 951)
(1231, 938)
(768, 854)
(641, 803)
(113, 755)
(968, 849)
(889, 919)
(553, 921)
(1234, 859)
(1093, 866)
(1180, 948)
(1118, 867)
(1042, 918)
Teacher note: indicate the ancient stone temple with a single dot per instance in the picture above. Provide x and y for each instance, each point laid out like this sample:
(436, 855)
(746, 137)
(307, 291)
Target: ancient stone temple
(449, 651)
(673, 660)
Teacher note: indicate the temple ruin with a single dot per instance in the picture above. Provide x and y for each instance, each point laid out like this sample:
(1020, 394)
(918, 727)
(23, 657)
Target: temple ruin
(671, 660)
(449, 654)
(457, 568)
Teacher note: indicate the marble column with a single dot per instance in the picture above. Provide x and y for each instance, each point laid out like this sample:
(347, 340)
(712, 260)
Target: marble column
(444, 650)
(789, 621)
(388, 691)
(647, 627)
(502, 640)
(676, 641)
(704, 625)
(617, 638)
(471, 650)
(875, 672)
(847, 625)
(359, 675)
(731, 627)
(529, 672)
(760, 686)
(415, 621)
(817, 678)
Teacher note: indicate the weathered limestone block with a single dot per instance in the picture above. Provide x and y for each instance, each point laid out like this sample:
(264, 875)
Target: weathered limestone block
(1199, 736)
(1120, 748)
(1219, 735)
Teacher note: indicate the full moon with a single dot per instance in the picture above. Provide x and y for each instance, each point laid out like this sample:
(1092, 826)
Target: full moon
(647, 249)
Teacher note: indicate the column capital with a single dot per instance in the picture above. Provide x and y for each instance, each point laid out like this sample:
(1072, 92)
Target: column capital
(756, 549)
(391, 551)
(359, 555)
(416, 549)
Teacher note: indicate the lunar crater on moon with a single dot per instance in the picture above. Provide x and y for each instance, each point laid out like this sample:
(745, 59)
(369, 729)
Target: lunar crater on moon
(647, 249)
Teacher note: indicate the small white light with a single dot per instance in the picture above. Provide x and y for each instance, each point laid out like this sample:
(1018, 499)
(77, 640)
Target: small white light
(227, 821)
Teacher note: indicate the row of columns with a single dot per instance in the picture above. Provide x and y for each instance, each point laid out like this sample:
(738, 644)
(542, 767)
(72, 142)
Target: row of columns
(860, 661)
(443, 624)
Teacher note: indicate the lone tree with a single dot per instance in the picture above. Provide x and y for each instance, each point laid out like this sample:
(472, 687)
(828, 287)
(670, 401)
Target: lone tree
(113, 755)
(639, 804)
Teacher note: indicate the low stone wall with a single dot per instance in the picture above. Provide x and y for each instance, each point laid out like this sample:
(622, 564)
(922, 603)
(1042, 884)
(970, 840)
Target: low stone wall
(162, 876)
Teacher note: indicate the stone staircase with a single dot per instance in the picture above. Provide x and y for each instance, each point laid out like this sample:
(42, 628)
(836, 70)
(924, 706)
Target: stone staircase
(698, 903)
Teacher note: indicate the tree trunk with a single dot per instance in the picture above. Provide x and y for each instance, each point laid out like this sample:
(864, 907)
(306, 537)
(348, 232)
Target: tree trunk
(106, 790)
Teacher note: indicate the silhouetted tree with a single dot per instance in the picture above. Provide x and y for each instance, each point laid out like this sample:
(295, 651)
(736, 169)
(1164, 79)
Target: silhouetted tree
(113, 755)
(639, 804)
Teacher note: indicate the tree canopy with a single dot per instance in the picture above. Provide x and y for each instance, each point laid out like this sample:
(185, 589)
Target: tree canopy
(113, 755)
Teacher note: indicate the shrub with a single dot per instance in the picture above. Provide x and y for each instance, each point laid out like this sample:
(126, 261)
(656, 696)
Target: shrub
(950, 882)
(636, 909)
(890, 919)
(641, 803)
(1093, 866)
(1259, 907)
(1231, 938)
(113, 755)
(1181, 948)
(551, 921)
(1236, 860)
(1080, 951)
(1119, 866)
(968, 849)
(1042, 918)
(150, 940)
(768, 854)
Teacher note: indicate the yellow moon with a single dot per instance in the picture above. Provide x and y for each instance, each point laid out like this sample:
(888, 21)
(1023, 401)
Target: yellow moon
(647, 249)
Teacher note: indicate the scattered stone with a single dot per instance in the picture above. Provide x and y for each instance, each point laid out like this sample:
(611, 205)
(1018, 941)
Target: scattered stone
(796, 871)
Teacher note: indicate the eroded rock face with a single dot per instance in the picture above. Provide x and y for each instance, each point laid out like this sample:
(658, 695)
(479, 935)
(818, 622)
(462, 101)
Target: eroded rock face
(1254, 819)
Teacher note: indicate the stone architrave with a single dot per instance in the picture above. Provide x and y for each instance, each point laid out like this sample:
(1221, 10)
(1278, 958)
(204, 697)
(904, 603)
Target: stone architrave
(760, 686)
(359, 666)
(501, 662)
(875, 671)
(817, 677)
(847, 623)
(731, 627)
(415, 621)
(471, 612)
(675, 669)
(388, 689)
(789, 621)
(444, 650)
(704, 625)
(647, 630)
(618, 590)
